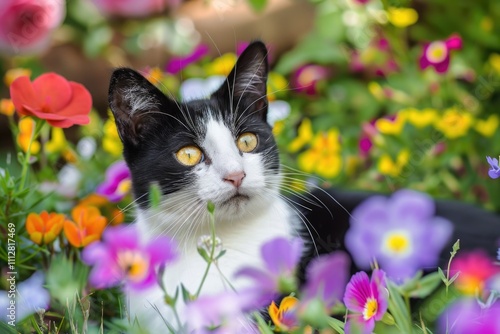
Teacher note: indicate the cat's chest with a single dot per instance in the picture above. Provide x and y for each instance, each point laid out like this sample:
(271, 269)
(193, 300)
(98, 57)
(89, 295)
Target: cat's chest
(241, 240)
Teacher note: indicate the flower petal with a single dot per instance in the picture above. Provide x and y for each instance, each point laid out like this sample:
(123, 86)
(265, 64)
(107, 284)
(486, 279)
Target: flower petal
(357, 292)
(23, 94)
(55, 91)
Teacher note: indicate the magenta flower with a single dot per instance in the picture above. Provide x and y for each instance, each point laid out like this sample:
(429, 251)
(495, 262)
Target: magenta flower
(117, 183)
(437, 53)
(177, 64)
(306, 78)
(368, 299)
(401, 233)
(466, 316)
(494, 171)
(121, 258)
(280, 257)
(326, 279)
(131, 8)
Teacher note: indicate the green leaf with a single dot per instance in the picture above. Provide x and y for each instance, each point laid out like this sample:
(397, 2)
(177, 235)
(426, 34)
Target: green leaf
(336, 324)
(456, 247)
(443, 276)
(454, 278)
(426, 285)
(398, 309)
(388, 319)
(258, 5)
(263, 327)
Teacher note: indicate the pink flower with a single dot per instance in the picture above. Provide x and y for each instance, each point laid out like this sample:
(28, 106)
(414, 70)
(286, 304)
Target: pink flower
(133, 8)
(25, 25)
(117, 183)
(368, 299)
(437, 53)
(476, 268)
(306, 78)
(122, 258)
(177, 64)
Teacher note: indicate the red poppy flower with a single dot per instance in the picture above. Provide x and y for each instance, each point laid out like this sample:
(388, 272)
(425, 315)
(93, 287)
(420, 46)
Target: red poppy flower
(51, 97)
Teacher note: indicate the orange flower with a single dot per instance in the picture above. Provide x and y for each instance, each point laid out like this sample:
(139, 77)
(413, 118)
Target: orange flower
(86, 227)
(114, 215)
(7, 107)
(45, 227)
(284, 317)
(51, 97)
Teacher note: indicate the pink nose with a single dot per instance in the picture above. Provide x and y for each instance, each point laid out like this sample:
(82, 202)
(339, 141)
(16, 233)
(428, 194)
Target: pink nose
(235, 178)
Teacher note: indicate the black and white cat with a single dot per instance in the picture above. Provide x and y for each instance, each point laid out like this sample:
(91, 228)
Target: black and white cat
(221, 149)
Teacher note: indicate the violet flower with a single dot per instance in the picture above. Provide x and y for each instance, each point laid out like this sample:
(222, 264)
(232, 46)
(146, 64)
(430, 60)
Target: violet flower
(368, 299)
(437, 53)
(221, 313)
(401, 233)
(494, 171)
(466, 316)
(31, 296)
(177, 64)
(117, 183)
(280, 257)
(121, 258)
(326, 279)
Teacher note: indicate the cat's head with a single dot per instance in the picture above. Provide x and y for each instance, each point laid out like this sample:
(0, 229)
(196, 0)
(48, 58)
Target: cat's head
(219, 149)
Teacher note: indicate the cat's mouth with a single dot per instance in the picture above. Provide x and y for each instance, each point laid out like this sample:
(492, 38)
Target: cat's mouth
(236, 199)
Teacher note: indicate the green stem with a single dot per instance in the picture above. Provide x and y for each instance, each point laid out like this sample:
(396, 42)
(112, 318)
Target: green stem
(212, 252)
(27, 157)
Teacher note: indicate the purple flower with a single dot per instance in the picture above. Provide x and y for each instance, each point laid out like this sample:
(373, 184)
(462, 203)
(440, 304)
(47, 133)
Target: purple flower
(466, 316)
(400, 232)
(31, 296)
(117, 183)
(494, 171)
(326, 279)
(224, 311)
(121, 257)
(368, 299)
(280, 257)
(177, 64)
(437, 53)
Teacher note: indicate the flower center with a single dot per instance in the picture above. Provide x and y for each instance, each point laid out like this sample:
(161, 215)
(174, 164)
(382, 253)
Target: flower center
(397, 243)
(371, 307)
(134, 264)
(436, 52)
(124, 186)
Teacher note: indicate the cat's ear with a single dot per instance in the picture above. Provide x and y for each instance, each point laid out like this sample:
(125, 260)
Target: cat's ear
(135, 103)
(248, 79)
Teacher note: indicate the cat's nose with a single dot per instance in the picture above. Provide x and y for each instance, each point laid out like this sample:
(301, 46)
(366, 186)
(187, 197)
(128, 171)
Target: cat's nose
(235, 178)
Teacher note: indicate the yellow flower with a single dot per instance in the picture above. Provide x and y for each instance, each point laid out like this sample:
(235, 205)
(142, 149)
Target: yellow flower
(57, 143)
(276, 83)
(323, 157)
(7, 107)
(278, 128)
(111, 142)
(26, 132)
(454, 123)
(376, 90)
(494, 61)
(304, 136)
(387, 166)
(221, 65)
(487, 127)
(391, 127)
(420, 118)
(283, 317)
(402, 17)
(15, 73)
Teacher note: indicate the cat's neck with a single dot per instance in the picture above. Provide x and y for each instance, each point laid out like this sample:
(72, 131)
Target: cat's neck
(273, 220)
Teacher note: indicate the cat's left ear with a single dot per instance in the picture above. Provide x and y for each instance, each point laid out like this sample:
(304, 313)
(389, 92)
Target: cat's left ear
(246, 85)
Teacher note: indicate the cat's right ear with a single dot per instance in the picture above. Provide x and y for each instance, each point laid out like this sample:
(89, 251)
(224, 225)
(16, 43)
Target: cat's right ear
(135, 103)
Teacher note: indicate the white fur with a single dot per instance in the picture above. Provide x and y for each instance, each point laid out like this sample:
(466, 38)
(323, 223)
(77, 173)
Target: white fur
(243, 226)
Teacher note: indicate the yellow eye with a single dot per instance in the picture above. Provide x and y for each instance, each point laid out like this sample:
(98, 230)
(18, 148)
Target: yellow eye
(189, 155)
(247, 142)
